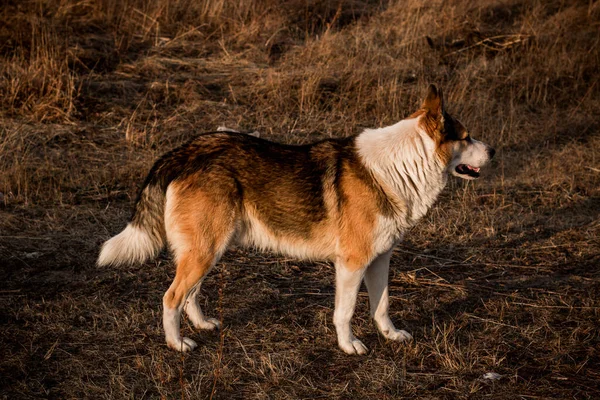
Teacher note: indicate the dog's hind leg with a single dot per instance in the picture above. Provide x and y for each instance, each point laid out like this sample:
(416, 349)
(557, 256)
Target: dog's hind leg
(191, 268)
(199, 228)
(376, 279)
(194, 312)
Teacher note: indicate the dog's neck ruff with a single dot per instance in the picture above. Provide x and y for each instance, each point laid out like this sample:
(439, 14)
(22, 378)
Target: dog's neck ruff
(402, 159)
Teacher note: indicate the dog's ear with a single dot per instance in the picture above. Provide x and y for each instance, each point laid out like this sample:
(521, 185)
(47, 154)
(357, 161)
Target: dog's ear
(434, 101)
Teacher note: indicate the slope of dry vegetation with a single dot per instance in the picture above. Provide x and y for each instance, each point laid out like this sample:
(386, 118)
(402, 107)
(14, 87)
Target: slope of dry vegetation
(502, 276)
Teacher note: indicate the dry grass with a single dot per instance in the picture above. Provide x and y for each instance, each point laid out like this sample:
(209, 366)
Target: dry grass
(502, 276)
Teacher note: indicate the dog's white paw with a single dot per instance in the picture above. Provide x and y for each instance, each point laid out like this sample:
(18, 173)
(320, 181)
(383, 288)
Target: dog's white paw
(397, 335)
(353, 346)
(208, 324)
(184, 344)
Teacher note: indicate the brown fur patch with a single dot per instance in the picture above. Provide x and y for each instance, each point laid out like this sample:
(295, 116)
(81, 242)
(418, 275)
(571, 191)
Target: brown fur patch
(200, 222)
(432, 124)
(358, 219)
(302, 196)
(439, 125)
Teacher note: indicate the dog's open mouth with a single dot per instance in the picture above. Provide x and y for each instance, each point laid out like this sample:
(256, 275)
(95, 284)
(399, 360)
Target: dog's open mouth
(465, 169)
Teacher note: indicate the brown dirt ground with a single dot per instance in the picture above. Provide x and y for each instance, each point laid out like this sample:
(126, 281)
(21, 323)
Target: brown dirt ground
(501, 276)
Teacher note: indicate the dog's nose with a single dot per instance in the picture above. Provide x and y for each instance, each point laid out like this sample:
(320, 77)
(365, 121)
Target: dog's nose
(491, 152)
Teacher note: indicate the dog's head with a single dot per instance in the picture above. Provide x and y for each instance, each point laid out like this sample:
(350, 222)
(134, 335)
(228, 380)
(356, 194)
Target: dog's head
(462, 155)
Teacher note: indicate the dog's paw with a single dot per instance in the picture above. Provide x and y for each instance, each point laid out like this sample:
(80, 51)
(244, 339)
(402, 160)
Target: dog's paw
(184, 345)
(398, 335)
(353, 346)
(208, 324)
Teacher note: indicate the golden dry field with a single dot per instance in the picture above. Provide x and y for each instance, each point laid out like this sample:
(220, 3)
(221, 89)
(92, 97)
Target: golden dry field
(502, 276)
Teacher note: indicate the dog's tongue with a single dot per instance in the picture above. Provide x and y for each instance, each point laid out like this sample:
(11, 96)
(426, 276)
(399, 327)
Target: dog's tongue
(464, 168)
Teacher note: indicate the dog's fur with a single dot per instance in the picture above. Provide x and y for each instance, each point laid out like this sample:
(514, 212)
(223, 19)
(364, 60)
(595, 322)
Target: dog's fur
(345, 200)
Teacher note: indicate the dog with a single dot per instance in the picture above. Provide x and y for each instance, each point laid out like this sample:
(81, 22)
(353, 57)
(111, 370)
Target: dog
(346, 200)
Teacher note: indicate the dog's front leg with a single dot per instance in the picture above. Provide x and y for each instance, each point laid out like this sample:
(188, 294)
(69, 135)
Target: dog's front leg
(347, 283)
(376, 279)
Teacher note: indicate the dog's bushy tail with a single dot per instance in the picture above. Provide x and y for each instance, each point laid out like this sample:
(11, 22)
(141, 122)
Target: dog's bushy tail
(144, 235)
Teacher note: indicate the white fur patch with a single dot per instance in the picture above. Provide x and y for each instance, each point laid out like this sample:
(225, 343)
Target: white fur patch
(347, 284)
(475, 155)
(386, 235)
(194, 312)
(376, 279)
(171, 320)
(178, 242)
(402, 158)
(132, 245)
(256, 233)
(226, 129)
